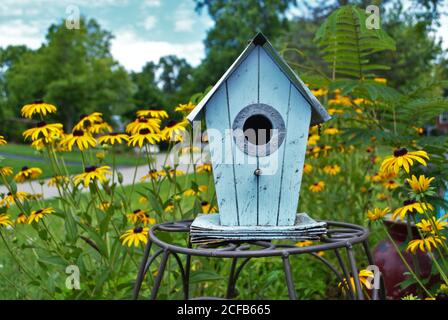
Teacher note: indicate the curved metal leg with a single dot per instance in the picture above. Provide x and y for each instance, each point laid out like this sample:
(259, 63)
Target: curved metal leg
(160, 272)
(232, 279)
(352, 261)
(141, 271)
(288, 276)
(376, 292)
(182, 272)
(188, 269)
(347, 282)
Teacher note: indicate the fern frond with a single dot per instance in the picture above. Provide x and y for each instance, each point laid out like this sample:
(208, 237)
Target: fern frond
(347, 43)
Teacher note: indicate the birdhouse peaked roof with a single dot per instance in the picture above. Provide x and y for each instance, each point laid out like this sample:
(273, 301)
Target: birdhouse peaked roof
(319, 114)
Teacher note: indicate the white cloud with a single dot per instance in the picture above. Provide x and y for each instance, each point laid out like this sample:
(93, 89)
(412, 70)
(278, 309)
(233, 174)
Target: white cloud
(150, 22)
(183, 19)
(133, 52)
(16, 32)
(152, 3)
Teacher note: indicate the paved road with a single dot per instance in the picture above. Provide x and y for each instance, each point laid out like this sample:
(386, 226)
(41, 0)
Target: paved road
(127, 172)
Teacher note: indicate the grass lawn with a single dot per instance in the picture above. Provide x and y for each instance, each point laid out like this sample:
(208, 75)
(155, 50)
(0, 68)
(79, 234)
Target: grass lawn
(18, 156)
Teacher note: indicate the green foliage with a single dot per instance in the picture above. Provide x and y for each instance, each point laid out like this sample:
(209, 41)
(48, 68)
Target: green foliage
(75, 71)
(347, 44)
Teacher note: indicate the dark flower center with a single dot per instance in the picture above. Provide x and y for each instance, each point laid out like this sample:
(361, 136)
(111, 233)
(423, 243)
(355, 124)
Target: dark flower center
(39, 211)
(38, 101)
(137, 211)
(144, 131)
(41, 124)
(25, 168)
(316, 183)
(138, 230)
(153, 171)
(171, 123)
(391, 182)
(90, 169)
(9, 194)
(83, 116)
(113, 134)
(204, 203)
(409, 202)
(400, 152)
(78, 133)
(142, 120)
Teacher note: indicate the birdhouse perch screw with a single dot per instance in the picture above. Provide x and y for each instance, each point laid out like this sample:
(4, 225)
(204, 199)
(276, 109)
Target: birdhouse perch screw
(257, 172)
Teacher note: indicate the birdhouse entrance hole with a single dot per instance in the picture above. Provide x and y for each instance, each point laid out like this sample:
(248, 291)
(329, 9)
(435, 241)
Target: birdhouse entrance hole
(257, 129)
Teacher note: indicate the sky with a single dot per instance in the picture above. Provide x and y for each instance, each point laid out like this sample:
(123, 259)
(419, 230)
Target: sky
(144, 30)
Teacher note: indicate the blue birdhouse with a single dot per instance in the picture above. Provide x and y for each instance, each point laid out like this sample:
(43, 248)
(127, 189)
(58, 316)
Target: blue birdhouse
(258, 116)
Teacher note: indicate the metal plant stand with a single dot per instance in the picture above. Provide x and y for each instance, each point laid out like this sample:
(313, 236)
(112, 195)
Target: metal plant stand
(341, 236)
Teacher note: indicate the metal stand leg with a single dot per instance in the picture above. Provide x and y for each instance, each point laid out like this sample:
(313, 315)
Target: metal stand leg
(288, 276)
(160, 272)
(347, 283)
(187, 271)
(231, 285)
(375, 291)
(141, 271)
(352, 260)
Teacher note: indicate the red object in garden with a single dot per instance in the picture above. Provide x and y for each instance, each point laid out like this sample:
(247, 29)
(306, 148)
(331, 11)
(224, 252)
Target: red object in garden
(392, 267)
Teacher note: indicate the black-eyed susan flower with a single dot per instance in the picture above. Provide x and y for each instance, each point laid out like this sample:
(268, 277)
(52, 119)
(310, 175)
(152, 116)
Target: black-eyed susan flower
(411, 206)
(172, 172)
(174, 130)
(317, 186)
(35, 216)
(169, 207)
(331, 131)
(113, 138)
(153, 174)
(104, 206)
(377, 213)
(186, 107)
(21, 219)
(143, 200)
(332, 169)
(26, 174)
(319, 92)
(207, 207)
(391, 185)
(364, 276)
(425, 244)
(304, 243)
(3, 141)
(195, 190)
(5, 220)
(206, 167)
(307, 168)
(135, 216)
(100, 128)
(147, 220)
(432, 225)
(421, 184)
(92, 174)
(43, 130)
(87, 120)
(37, 107)
(313, 139)
(58, 180)
(153, 113)
(403, 158)
(81, 138)
(153, 125)
(135, 236)
(39, 144)
(6, 171)
(143, 137)
(9, 199)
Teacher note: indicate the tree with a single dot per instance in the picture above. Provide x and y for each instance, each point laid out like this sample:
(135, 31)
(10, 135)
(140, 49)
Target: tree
(74, 70)
(236, 22)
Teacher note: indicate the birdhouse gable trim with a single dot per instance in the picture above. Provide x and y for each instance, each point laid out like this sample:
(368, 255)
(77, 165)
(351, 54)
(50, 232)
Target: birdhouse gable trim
(319, 114)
